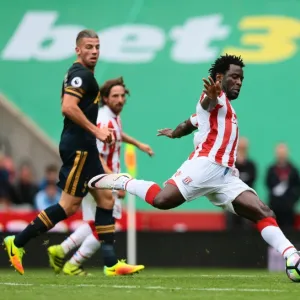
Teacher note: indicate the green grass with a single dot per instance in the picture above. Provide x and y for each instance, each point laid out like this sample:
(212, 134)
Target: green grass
(152, 283)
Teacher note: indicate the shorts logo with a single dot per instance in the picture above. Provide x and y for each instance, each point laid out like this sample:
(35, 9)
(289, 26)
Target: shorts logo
(76, 82)
(187, 180)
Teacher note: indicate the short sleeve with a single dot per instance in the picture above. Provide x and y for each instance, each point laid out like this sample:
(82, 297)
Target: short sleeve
(76, 83)
(221, 97)
(193, 119)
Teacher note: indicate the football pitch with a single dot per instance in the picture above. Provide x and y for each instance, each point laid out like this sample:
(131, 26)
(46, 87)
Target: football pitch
(150, 284)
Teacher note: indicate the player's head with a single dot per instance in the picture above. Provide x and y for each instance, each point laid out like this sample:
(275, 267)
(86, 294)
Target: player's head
(282, 153)
(87, 48)
(228, 70)
(113, 94)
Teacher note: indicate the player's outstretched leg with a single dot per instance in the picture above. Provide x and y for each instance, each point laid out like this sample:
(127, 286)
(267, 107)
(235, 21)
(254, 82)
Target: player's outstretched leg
(167, 198)
(57, 253)
(45, 220)
(249, 206)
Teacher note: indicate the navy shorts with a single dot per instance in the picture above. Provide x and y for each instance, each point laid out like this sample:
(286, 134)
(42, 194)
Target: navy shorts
(79, 166)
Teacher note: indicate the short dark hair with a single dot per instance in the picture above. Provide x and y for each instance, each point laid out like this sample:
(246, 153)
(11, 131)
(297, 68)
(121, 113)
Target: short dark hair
(222, 64)
(108, 85)
(87, 33)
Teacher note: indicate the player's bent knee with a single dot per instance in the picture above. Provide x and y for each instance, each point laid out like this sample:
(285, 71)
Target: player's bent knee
(166, 202)
(70, 209)
(103, 198)
(169, 197)
(267, 212)
(69, 203)
(162, 203)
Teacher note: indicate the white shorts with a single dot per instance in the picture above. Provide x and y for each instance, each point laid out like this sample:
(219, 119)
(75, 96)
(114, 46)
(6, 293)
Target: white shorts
(89, 208)
(200, 177)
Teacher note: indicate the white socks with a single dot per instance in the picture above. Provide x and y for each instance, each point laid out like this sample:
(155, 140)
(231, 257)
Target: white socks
(273, 235)
(146, 190)
(76, 238)
(90, 246)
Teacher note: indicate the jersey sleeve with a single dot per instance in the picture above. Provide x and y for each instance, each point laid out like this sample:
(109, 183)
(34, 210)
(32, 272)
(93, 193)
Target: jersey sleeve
(221, 100)
(193, 119)
(76, 83)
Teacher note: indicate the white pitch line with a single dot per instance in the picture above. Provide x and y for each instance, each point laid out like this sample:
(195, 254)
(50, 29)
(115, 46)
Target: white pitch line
(14, 283)
(210, 276)
(133, 287)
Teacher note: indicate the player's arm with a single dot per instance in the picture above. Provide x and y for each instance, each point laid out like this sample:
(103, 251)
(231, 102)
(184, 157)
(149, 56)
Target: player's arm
(103, 150)
(184, 128)
(107, 170)
(143, 147)
(72, 111)
(210, 94)
(73, 92)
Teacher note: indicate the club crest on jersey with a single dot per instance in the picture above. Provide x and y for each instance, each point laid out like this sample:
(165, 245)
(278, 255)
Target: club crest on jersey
(187, 180)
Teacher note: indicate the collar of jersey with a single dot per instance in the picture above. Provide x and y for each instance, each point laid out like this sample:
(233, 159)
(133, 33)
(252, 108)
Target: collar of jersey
(109, 111)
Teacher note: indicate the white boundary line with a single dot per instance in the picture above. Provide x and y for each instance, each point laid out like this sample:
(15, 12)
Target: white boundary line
(134, 287)
(210, 275)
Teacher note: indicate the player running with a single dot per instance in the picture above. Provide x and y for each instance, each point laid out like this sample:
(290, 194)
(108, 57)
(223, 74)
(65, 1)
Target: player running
(210, 169)
(113, 98)
(80, 158)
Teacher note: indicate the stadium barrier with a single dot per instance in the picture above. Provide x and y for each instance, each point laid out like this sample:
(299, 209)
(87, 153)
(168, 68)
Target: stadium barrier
(235, 249)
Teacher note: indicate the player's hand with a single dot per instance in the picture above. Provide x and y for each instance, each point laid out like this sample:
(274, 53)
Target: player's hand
(121, 194)
(113, 140)
(146, 148)
(211, 89)
(104, 134)
(166, 132)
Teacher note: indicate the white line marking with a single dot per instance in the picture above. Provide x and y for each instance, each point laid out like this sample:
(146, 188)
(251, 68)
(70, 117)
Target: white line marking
(132, 287)
(14, 283)
(210, 276)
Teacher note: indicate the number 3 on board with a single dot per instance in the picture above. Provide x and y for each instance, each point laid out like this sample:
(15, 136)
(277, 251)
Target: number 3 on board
(276, 41)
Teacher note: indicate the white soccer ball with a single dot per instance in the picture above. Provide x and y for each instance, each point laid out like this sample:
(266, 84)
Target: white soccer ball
(293, 267)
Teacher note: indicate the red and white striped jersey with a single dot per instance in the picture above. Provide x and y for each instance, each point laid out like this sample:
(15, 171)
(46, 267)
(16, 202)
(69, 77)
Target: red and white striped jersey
(110, 153)
(217, 135)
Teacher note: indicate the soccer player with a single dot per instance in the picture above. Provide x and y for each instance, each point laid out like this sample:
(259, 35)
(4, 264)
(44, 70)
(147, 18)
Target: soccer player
(79, 154)
(113, 98)
(209, 171)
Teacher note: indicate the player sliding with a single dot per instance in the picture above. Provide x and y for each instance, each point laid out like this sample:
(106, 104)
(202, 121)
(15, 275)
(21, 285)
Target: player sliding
(209, 171)
(113, 98)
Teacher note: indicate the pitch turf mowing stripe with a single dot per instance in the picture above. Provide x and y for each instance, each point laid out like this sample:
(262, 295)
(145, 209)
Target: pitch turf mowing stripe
(132, 287)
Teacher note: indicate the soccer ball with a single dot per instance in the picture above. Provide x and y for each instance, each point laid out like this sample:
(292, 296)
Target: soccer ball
(293, 267)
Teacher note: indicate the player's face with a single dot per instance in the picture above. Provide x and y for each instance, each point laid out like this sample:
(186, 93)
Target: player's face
(116, 99)
(232, 81)
(88, 51)
(282, 153)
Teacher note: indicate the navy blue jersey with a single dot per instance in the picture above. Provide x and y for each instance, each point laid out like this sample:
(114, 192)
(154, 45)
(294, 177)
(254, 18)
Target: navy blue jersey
(81, 83)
